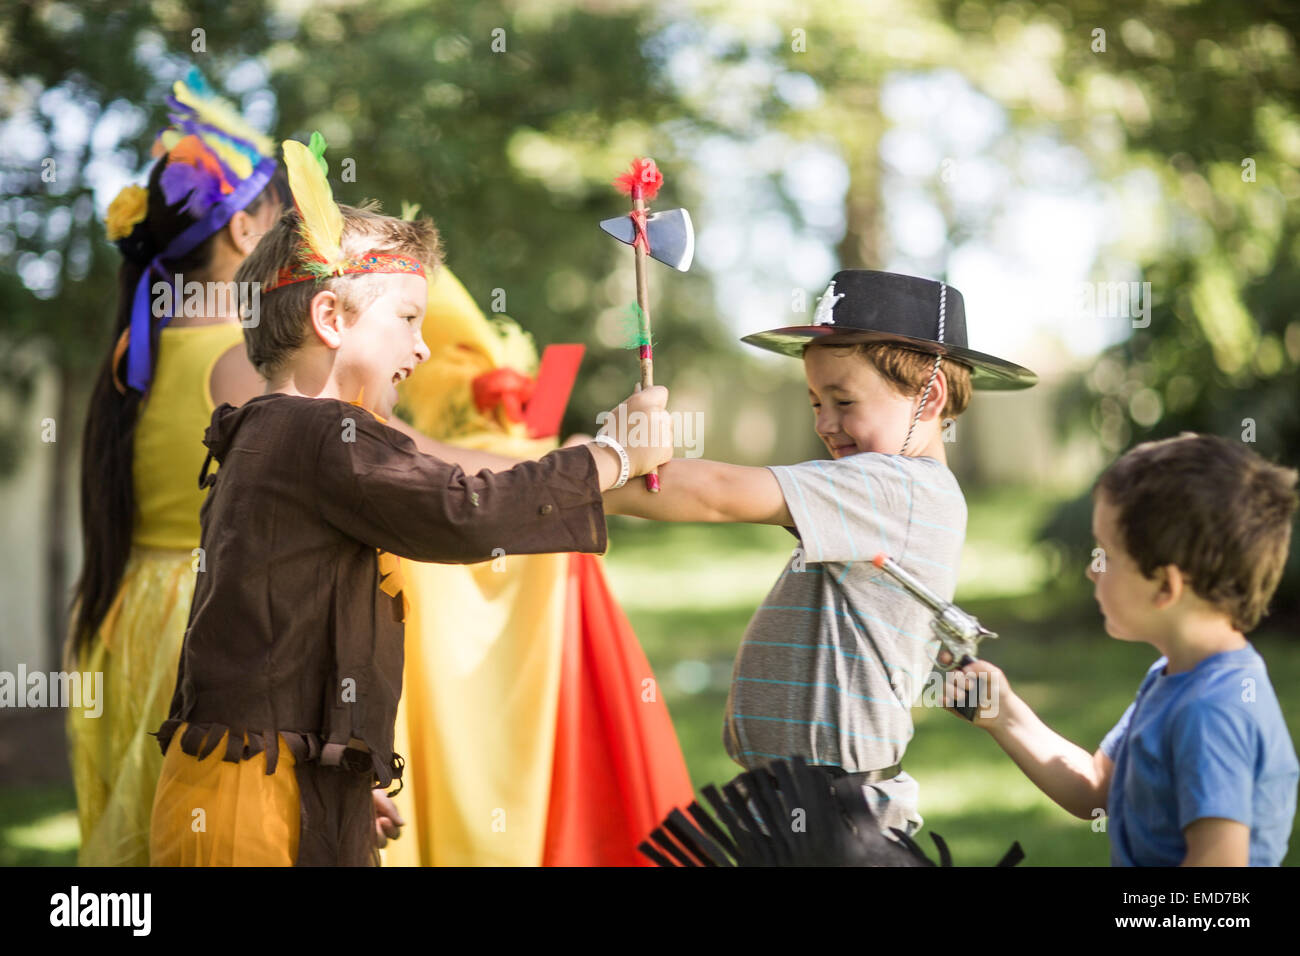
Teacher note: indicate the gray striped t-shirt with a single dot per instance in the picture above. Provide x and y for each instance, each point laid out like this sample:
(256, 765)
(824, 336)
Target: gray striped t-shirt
(833, 660)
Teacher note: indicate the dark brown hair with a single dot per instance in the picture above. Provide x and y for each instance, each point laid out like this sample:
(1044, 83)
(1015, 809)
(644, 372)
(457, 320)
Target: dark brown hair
(1214, 508)
(107, 447)
(908, 371)
(283, 320)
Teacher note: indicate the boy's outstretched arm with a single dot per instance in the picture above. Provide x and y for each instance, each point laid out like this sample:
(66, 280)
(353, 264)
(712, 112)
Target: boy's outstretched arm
(1075, 779)
(470, 460)
(693, 489)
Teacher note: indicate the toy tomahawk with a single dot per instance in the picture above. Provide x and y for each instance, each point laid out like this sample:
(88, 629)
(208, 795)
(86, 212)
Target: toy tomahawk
(667, 236)
(959, 632)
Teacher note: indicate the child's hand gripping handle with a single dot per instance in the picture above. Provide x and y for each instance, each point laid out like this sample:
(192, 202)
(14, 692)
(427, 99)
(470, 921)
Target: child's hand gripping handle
(960, 633)
(650, 442)
(964, 710)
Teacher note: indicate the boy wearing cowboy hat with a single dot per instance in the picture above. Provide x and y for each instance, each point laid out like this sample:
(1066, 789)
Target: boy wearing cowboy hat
(834, 658)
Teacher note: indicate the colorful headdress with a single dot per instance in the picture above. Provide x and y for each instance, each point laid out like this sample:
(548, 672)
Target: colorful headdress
(321, 255)
(216, 164)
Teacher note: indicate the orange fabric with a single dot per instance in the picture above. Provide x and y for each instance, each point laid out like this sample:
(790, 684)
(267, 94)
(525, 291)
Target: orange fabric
(211, 812)
(618, 766)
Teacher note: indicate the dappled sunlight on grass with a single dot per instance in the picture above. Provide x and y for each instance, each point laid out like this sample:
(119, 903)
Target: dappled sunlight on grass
(55, 832)
(954, 792)
(38, 826)
(1048, 835)
(993, 571)
(695, 582)
(694, 567)
(999, 557)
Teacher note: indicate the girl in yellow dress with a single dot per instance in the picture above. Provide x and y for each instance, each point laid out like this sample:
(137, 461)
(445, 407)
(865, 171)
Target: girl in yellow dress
(178, 353)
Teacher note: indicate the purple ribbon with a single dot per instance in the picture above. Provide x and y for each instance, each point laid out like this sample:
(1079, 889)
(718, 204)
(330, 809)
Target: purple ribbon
(139, 350)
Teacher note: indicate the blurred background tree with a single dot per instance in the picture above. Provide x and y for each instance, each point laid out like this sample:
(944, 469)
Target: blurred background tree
(81, 93)
(1204, 100)
(506, 121)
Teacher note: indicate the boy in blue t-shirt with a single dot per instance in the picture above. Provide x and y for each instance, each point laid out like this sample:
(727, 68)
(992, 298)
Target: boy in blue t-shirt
(1192, 535)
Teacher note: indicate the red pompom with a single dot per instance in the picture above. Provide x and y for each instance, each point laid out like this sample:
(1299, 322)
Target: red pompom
(503, 387)
(644, 177)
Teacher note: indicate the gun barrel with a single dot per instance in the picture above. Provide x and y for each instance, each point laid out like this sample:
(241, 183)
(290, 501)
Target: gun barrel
(911, 584)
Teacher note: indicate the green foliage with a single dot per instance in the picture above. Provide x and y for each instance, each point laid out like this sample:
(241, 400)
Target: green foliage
(90, 81)
(86, 83)
(1207, 101)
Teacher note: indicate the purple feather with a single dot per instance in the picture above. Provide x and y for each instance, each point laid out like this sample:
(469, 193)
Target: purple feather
(181, 179)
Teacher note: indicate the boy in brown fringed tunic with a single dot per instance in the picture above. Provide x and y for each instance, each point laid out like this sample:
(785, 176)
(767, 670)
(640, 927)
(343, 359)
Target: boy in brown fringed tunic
(291, 670)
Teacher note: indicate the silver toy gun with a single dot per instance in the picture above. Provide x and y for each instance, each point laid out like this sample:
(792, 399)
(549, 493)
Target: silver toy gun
(959, 633)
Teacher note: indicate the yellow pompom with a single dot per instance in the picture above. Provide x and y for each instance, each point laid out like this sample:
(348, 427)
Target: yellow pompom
(124, 212)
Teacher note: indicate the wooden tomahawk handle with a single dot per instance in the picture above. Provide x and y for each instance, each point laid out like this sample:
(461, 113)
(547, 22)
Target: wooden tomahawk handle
(643, 302)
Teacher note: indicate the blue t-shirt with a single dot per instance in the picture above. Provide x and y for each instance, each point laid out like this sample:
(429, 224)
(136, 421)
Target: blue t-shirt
(1209, 742)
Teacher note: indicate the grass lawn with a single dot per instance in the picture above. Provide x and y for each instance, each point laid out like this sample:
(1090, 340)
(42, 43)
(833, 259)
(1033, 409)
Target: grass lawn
(38, 826)
(690, 590)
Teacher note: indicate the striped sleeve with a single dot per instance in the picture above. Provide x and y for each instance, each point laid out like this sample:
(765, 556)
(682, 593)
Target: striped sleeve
(849, 509)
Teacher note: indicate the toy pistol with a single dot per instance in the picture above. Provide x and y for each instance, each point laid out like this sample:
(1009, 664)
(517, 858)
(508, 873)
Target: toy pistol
(959, 633)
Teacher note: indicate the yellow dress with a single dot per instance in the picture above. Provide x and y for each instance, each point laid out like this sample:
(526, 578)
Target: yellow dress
(477, 717)
(480, 689)
(115, 761)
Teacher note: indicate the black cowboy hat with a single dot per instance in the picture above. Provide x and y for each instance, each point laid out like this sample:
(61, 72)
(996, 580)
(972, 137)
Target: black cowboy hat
(921, 314)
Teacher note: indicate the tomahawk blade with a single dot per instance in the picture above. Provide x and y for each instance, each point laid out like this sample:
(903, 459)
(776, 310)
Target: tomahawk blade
(671, 234)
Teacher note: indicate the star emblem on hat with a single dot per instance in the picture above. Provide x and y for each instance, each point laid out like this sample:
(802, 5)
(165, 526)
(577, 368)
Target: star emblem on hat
(825, 306)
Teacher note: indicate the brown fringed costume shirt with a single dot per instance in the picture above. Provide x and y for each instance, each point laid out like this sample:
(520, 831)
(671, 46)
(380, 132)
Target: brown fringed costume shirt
(296, 629)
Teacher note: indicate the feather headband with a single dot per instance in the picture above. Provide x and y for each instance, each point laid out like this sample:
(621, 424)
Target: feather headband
(210, 148)
(217, 164)
(321, 254)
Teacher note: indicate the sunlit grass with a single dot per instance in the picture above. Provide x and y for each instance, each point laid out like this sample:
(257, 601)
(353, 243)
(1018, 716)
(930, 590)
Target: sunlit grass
(999, 557)
(655, 566)
(55, 832)
(38, 826)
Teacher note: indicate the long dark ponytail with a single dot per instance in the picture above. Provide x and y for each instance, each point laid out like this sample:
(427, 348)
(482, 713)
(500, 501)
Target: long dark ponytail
(108, 443)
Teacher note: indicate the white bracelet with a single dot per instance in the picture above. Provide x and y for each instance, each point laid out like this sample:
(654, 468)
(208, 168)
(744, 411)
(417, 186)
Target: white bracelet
(626, 468)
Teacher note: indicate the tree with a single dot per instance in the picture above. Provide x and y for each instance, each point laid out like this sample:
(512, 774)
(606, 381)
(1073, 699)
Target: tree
(83, 89)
